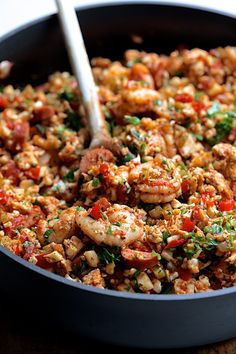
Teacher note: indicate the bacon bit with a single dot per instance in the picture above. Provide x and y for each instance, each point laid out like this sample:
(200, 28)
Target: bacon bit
(188, 225)
(139, 259)
(184, 274)
(175, 243)
(33, 173)
(184, 98)
(10, 171)
(3, 102)
(226, 205)
(43, 113)
(101, 205)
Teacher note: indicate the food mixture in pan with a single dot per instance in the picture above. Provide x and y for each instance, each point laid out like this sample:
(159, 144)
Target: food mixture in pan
(156, 218)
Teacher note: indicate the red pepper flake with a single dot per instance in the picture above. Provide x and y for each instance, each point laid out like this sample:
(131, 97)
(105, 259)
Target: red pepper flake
(184, 98)
(226, 205)
(188, 225)
(198, 107)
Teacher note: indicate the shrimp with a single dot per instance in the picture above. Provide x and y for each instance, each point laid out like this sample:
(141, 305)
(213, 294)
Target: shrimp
(119, 226)
(225, 160)
(186, 143)
(219, 182)
(156, 181)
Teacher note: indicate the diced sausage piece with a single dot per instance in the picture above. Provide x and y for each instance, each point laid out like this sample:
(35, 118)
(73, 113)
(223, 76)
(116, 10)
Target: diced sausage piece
(43, 113)
(95, 157)
(139, 259)
(20, 133)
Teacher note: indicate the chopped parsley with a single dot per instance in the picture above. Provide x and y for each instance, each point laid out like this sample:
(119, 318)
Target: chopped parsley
(216, 229)
(198, 137)
(142, 148)
(154, 253)
(95, 182)
(68, 96)
(167, 166)
(165, 235)
(70, 176)
(157, 102)
(128, 158)
(41, 128)
(109, 230)
(223, 128)
(79, 208)
(107, 255)
(132, 120)
(48, 233)
(135, 134)
(203, 241)
(118, 223)
(73, 121)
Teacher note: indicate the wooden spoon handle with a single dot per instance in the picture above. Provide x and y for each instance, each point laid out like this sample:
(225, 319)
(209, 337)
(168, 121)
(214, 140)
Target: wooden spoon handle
(81, 66)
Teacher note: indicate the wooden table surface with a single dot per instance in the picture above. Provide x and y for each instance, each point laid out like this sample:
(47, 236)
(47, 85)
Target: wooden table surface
(15, 340)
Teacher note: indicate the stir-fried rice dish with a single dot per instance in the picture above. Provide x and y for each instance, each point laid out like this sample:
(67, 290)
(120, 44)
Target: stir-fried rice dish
(158, 216)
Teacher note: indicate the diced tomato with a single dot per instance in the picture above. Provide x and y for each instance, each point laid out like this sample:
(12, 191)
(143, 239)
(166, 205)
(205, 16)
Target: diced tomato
(197, 106)
(3, 197)
(188, 225)
(184, 274)
(3, 102)
(21, 133)
(95, 212)
(101, 205)
(23, 237)
(175, 243)
(139, 259)
(33, 173)
(184, 98)
(18, 250)
(10, 171)
(226, 205)
(42, 262)
(121, 193)
(206, 199)
(43, 113)
(185, 186)
(10, 125)
(104, 169)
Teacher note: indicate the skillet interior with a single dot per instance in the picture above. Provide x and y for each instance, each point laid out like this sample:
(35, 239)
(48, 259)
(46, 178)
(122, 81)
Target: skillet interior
(41, 51)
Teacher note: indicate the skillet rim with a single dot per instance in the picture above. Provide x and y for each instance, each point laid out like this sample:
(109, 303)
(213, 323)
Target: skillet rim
(89, 288)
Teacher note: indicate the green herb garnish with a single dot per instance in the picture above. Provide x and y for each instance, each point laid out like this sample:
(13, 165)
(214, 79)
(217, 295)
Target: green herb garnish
(70, 176)
(73, 121)
(48, 233)
(68, 96)
(95, 182)
(215, 108)
(132, 120)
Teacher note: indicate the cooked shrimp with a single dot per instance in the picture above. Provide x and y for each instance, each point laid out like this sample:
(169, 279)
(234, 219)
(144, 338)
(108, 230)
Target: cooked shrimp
(220, 183)
(119, 226)
(157, 181)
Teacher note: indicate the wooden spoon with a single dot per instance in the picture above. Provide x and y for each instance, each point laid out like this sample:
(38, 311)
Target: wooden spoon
(100, 136)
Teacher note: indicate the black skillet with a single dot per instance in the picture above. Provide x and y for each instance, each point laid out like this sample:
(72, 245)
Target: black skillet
(39, 297)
